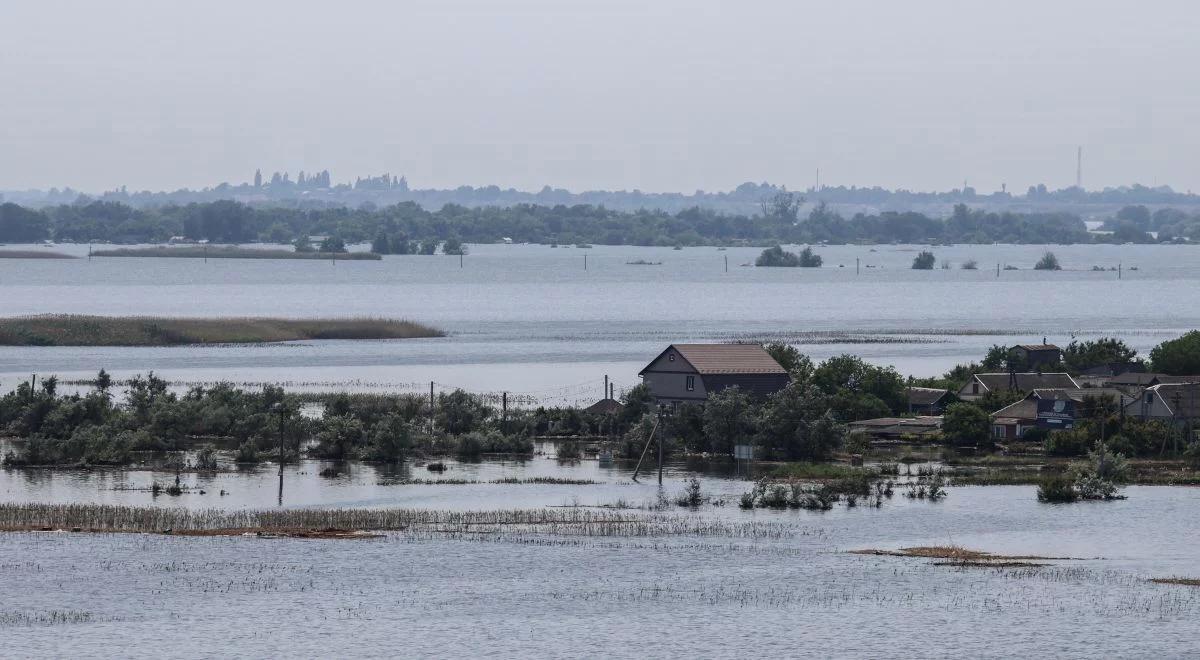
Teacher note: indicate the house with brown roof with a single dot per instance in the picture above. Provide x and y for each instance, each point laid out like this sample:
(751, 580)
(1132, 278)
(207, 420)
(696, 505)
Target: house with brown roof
(689, 373)
(981, 384)
(1036, 356)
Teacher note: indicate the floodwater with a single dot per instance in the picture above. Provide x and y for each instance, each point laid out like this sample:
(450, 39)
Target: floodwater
(793, 592)
(531, 320)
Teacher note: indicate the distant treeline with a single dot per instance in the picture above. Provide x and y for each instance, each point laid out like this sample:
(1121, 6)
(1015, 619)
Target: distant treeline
(407, 224)
(318, 189)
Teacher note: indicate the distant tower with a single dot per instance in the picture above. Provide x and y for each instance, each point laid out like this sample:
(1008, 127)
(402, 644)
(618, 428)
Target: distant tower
(258, 178)
(1079, 168)
(817, 185)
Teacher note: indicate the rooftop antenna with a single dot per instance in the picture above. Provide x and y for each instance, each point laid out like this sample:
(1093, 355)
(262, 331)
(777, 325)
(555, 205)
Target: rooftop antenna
(817, 187)
(1079, 168)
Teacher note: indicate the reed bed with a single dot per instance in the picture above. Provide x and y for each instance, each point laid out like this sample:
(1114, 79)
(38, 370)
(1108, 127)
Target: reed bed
(34, 254)
(229, 252)
(76, 330)
(560, 522)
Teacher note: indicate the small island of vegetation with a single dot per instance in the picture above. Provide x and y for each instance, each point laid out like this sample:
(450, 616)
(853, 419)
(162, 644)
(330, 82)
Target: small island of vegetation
(73, 330)
(231, 252)
(33, 254)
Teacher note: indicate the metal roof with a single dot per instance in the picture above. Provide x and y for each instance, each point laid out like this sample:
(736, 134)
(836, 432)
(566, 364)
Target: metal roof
(712, 359)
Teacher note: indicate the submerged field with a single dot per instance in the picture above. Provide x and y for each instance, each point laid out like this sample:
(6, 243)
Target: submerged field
(223, 252)
(78, 330)
(571, 580)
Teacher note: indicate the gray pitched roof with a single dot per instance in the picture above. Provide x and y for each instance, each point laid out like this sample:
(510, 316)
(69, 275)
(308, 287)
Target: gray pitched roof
(925, 396)
(1182, 399)
(1027, 382)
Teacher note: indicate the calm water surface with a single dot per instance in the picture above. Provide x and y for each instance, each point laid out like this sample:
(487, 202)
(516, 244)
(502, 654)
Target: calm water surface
(537, 593)
(530, 319)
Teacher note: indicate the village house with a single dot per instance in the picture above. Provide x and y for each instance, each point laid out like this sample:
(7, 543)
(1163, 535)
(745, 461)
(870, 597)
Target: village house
(1174, 403)
(981, 384)
(689, 373)
(928, 400)
(1036, 357)
(1049, 409)
(1133, 383)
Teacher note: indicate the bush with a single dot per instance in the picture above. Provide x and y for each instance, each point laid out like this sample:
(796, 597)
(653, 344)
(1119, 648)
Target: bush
(247, 452)
(924, 261)
(858, 442)
(777, 257)
(1191, 455)
(1056, 488)
(206, 459)
(1047, 262)
(692, 495)
(1073, 442)
(970, 264)
(965, 424)
(567, 451)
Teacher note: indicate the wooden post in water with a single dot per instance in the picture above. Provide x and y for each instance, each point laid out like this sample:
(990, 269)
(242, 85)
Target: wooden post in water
(997, 269)
(1119, 264)
(585, 260)
(857, 266)
(726, 263)
(460, 256)
(279, 409)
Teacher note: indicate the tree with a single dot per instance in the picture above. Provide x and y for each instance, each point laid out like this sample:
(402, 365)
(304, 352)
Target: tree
(966, 425)
(851, 374)
(997, 357)
(777, 257)
(782, 208)
(1079, 356)
(924, 261)
(786, 421)
(381, 244)
(728, 420)
(809, 259)
(333, 244)
(453, 246)
(1047, 262)
(789, 357)
(1178, 357)
(103, 382)
(302, 244)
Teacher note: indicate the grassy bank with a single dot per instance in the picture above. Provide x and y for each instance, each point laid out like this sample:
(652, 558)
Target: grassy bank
(33, 254)
(71, 330)
(222, 252)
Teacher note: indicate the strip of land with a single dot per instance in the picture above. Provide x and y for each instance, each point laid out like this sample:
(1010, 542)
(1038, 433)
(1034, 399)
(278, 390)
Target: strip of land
(73, 330)
(202, 252)
(33, 254)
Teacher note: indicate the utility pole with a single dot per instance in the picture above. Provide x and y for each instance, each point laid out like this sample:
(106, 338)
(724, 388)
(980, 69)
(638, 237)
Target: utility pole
(279, 409)
(1079, 168)
(662, 414)
(504, 412)
(431, 407)
(605, 387)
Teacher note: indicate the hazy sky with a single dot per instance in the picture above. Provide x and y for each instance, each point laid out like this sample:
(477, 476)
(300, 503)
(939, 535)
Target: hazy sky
(656, 95)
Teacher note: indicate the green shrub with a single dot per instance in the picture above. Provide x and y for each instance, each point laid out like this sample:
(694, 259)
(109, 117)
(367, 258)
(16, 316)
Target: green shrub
(1057, 488)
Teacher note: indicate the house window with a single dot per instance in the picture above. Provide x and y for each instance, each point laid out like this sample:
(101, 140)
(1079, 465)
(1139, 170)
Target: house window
(1149, 398)
(691, 383)
(671, 357)
(974, 388)
(998, 432)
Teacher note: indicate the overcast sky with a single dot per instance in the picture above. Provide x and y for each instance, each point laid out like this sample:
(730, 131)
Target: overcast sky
(660, 95)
